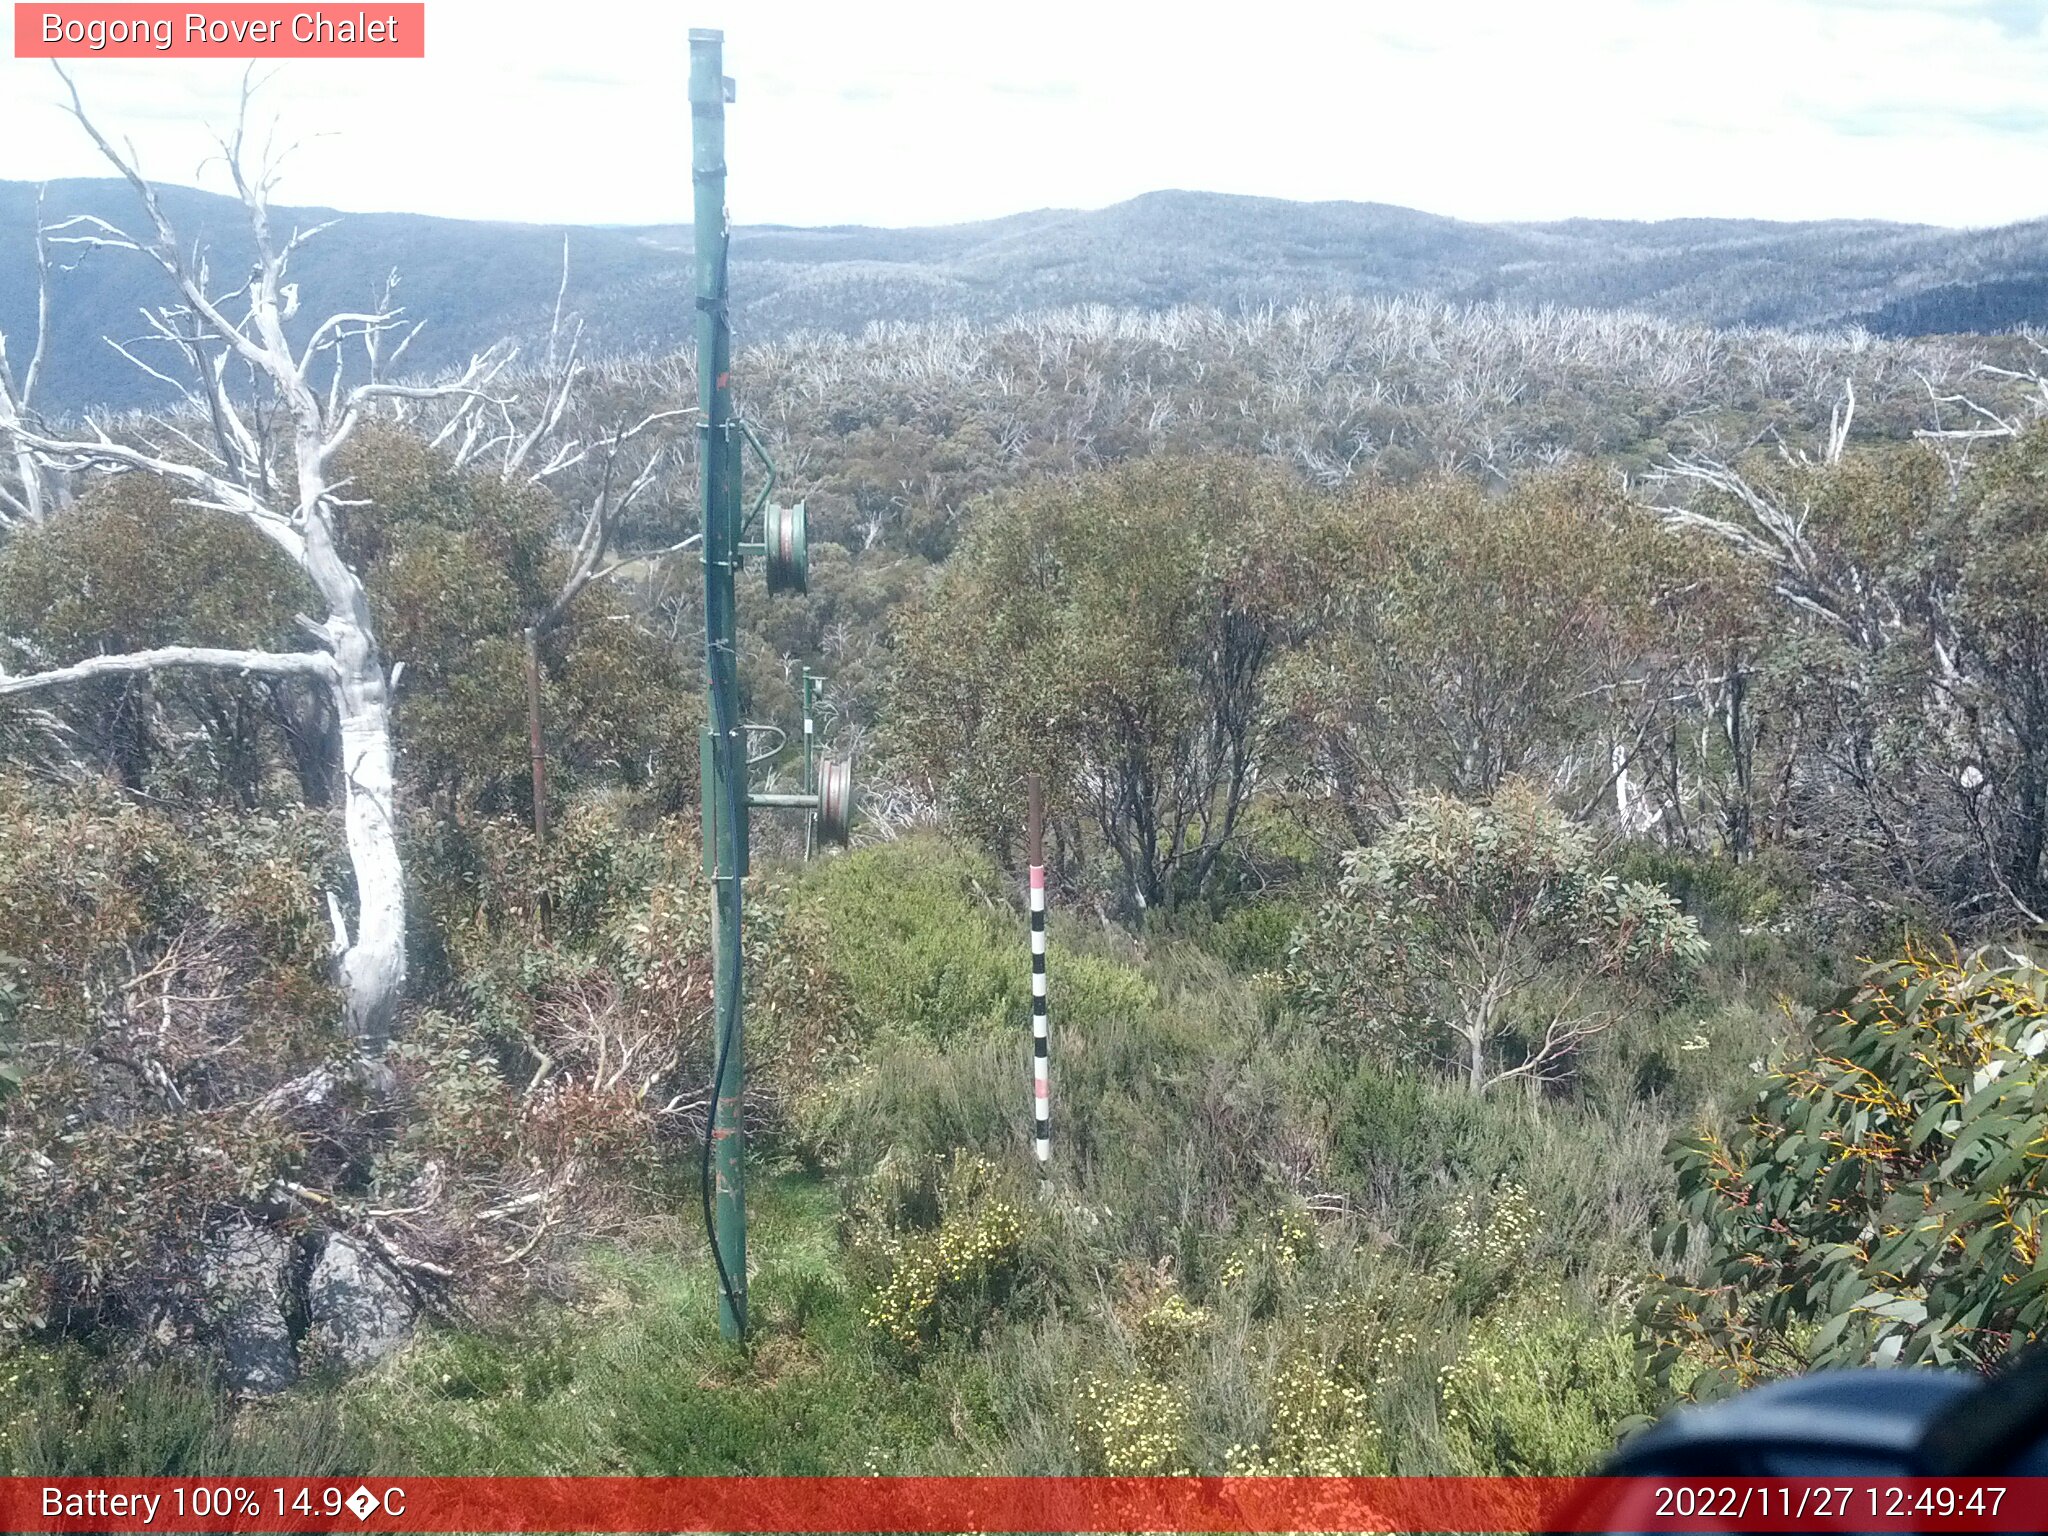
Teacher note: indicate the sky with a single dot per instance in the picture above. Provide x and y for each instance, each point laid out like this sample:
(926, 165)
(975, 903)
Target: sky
(900, 112)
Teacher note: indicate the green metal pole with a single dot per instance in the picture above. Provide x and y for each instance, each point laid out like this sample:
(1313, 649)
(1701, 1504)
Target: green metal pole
(725, 811)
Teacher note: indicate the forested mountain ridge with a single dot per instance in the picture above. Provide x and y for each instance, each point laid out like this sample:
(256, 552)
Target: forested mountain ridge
(476, 282)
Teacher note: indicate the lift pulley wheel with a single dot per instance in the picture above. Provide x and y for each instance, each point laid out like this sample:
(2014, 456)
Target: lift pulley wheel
(786, 548)
(835, 800)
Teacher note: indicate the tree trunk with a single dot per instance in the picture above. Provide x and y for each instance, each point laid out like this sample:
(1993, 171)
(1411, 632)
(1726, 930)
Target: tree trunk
(305, 718)
(372, 965)
(536, 743)
(371, 962)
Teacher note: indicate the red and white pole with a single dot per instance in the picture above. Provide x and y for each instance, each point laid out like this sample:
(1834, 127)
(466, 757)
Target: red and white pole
(1041, 1086)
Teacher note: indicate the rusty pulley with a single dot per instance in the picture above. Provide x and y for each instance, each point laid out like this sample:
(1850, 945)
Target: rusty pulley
(785, 549)
(835, 800)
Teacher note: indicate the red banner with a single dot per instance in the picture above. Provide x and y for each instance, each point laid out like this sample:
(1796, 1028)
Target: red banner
(228, 31)
(1053, 1504)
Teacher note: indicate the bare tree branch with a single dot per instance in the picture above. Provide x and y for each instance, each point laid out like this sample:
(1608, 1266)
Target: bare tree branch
(262, 663)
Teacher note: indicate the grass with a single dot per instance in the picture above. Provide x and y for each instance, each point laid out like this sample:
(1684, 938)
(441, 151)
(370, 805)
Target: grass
(1349, 1262)
(638, 1381)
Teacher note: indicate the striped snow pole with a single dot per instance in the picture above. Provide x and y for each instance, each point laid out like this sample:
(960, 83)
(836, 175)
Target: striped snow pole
(1041, 1086)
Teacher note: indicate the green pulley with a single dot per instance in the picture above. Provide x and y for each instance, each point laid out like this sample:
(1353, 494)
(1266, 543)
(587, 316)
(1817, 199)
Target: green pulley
(786, 549)
(835, 800)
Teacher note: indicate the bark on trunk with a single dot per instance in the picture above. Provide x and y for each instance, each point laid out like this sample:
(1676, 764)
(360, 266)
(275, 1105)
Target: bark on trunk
(536, 744)
(371, 960)
(373, 964)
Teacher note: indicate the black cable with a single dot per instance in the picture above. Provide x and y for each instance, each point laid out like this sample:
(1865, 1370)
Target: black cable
(729, 1017)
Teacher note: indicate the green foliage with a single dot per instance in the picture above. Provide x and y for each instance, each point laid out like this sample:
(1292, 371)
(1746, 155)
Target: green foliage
(943, 1244)
(12, 995)
(1233, 676)
(1472, 933)
(130, 568)
(458, 565)
(1429, 1157)
(1478, 637)
(1335, 1352)
(908, 934)
(1095, 992)
(1255, 939)
(174, 974)
(1730, 895)
(1542, 1387)
(1882, 1200)
(1121, 626)
(66, 1413)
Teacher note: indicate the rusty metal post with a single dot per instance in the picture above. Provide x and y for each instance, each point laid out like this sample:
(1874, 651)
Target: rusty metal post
(535, 744)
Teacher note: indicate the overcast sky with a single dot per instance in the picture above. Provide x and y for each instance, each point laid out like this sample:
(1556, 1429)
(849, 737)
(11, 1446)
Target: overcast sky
(897, 112)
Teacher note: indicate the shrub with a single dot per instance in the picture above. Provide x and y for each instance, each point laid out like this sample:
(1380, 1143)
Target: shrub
(1884, 1200)
(1487, 1243)
(942, 1244)
(1168, 1329)
(1540, 1389)
(1319, 1424)
(1133, 1426)
(174, 976)
(909, 937)
(1264, 1265)
(1487, 939)
(1254, 940)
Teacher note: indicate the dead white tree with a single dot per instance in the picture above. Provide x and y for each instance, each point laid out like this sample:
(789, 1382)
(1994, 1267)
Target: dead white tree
(28, 500)
(1986, 748)
(257, 439)
(1767, 527)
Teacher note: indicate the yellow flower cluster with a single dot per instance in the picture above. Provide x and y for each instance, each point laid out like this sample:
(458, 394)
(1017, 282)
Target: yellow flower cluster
(1371, 1342)
(1167, 1328)
(1489, 1237)
(1319, 1426)
(1134, 1428)
(979, 1237)
(1291, 1240)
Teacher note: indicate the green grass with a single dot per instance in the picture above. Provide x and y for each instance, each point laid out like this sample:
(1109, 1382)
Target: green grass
(638, 1380)
(1322, 1220)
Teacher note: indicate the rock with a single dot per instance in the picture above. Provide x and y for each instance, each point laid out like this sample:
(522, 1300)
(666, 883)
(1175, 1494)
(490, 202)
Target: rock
(357, 1310)
(245, 1271)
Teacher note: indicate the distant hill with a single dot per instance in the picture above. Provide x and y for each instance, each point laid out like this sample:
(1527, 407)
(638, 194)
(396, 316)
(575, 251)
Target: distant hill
(476, 282)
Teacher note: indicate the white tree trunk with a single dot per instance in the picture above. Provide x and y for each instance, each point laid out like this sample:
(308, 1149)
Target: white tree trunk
(373, 966)
(236, 475)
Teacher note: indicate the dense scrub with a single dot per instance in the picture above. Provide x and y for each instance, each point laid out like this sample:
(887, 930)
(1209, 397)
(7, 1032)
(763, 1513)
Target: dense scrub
(1440, 825)
(1261, 1251)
